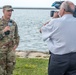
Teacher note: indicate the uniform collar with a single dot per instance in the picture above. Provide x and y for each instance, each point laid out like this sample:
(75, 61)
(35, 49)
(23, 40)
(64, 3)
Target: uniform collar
(4, 19)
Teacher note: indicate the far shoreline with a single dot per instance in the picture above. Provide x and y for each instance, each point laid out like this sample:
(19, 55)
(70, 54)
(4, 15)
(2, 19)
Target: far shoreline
(38, 8)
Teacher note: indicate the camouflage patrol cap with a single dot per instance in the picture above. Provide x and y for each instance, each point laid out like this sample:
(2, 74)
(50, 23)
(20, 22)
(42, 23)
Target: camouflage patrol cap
(8, 7)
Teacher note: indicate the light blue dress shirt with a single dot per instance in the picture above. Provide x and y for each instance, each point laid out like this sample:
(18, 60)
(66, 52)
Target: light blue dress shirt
(60, 34)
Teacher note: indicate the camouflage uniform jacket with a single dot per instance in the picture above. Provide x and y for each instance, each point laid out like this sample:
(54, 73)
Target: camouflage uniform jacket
(12, 37)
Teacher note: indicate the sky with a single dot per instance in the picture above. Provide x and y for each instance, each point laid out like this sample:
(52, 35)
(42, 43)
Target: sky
(30, 3)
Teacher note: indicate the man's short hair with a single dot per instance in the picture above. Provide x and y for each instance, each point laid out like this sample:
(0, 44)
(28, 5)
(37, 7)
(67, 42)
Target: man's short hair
(67, 7)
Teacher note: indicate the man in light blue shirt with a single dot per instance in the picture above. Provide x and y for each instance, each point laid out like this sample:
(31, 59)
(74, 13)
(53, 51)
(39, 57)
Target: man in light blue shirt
(60, 34)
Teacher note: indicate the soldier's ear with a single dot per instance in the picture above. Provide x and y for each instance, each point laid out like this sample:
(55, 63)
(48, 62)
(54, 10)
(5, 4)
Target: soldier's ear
(3, 10)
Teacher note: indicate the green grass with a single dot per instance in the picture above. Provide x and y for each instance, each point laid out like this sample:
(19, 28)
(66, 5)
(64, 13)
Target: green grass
(26, 66)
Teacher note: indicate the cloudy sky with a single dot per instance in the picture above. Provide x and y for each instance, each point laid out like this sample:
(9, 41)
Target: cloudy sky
(29, 3)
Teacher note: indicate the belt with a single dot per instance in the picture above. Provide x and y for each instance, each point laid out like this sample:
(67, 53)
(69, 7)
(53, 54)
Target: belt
(49, 52)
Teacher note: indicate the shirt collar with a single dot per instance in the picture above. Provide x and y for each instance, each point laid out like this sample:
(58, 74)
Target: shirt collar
(67, 15)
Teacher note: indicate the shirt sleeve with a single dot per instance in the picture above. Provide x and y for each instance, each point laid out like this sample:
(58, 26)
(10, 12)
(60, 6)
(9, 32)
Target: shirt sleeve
(47, 30)
(17, 37)
(1, 30)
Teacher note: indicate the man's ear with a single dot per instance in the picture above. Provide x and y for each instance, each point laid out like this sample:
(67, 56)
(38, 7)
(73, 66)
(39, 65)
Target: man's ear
(63, 11)
(3, 10)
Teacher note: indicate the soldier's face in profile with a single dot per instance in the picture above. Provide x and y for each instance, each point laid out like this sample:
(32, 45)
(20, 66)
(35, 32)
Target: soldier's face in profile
(7, 13)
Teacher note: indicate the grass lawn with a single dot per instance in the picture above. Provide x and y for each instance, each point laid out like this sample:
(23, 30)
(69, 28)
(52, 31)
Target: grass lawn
(34, 66)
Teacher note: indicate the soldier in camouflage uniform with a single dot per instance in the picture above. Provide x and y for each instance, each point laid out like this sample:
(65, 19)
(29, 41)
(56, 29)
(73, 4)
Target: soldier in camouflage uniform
(9, 40)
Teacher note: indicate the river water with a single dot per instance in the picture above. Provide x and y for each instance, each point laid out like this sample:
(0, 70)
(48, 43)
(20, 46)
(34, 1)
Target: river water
(29, 22)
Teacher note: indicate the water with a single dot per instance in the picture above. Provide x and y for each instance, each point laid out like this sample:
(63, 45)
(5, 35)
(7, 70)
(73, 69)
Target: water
(29, 23)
